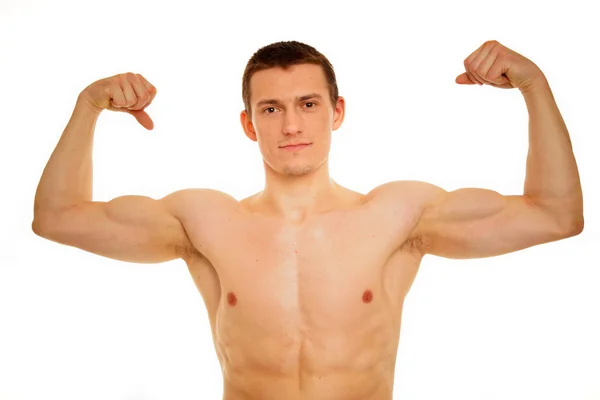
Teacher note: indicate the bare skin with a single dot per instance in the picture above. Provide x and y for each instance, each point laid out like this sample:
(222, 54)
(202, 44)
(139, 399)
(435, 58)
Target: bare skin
(305, 281)
(306, 310)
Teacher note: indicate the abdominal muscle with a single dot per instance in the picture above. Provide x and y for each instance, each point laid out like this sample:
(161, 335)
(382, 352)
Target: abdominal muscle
(300, 363)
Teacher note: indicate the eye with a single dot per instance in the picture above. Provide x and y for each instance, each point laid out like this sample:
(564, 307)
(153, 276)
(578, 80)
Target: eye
(267, 110)
(311, 103)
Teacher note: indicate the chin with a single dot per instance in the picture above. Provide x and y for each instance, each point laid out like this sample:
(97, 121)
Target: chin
(297, 170)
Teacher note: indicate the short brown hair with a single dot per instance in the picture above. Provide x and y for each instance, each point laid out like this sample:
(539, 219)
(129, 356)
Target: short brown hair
(285, 54)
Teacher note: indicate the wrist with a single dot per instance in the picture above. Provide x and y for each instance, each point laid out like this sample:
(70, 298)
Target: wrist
(83, 105)
(535, 86)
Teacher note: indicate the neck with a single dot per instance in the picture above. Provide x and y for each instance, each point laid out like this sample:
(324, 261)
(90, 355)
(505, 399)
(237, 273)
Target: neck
(295, 197)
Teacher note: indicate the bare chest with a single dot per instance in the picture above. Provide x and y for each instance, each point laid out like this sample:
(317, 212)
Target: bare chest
(331, 271)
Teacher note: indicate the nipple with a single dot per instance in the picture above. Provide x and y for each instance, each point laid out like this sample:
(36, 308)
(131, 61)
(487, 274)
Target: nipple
(231, 299)
(367, 296)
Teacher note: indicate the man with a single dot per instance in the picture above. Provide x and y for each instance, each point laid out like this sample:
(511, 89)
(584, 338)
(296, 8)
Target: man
(304, 282)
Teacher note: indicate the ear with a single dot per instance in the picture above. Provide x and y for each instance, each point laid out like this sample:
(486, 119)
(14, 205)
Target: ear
(247, 125)
(339, 112)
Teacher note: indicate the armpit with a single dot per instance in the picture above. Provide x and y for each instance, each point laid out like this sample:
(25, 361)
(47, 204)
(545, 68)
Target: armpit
(416, 242)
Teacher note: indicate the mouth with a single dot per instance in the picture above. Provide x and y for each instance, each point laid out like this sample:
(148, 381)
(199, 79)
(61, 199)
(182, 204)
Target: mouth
(296, 147)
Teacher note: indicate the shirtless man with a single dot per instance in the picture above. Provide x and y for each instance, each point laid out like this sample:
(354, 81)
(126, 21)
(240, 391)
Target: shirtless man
(304, 282)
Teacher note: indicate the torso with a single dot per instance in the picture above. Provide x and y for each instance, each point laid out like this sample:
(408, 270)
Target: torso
(309, 310)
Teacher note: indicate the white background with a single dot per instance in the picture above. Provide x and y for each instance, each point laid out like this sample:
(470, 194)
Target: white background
(74, 325)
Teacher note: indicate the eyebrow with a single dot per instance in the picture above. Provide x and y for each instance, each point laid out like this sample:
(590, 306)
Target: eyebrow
(277, 101)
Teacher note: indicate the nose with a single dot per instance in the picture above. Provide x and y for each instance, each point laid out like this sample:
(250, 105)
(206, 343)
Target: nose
(292, 122)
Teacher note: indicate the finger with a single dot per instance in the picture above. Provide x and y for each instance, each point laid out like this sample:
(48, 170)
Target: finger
(115, 93)
(480, 64)
(484, 68)
(130, 97)
(140, 91)
(149, 87)
(143, 118)
(474, 78)
(497, 71)
(464, 79)
(467, 64)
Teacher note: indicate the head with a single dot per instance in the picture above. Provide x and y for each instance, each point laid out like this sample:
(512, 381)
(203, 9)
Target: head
(291, 96)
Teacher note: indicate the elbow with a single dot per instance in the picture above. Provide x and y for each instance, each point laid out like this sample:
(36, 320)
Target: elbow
(46, 221)
(37, 227)
(574, 227)
(41, 225)
(578, 227)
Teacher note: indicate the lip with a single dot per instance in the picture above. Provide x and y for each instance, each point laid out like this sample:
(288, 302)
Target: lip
(296, 147)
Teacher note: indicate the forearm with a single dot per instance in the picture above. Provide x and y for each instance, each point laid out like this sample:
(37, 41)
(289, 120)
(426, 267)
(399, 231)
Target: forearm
(67, 177)
(552, 178)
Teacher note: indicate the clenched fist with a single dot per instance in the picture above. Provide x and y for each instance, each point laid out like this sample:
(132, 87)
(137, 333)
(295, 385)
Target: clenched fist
(129, 92)
(496, 65)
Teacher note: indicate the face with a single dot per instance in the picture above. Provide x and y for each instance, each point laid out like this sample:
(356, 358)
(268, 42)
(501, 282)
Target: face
(292, 106)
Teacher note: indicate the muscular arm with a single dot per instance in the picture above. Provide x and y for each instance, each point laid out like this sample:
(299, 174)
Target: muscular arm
(469, 223)
(473, 222)
(128, 228)
(477, 223)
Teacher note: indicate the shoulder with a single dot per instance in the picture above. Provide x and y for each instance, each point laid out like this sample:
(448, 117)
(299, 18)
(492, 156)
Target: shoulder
(417, 194)
(202, 213)
(196, 198)
(403, 205)
(201, 209)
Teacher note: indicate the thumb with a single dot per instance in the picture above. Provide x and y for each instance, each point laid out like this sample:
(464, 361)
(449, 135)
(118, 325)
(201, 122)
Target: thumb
(143, 118)
(463, 79)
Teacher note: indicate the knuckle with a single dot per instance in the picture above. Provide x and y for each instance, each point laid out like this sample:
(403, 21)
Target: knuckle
(114, 90)
(141, 102)
(115, 83)
(149, 89)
